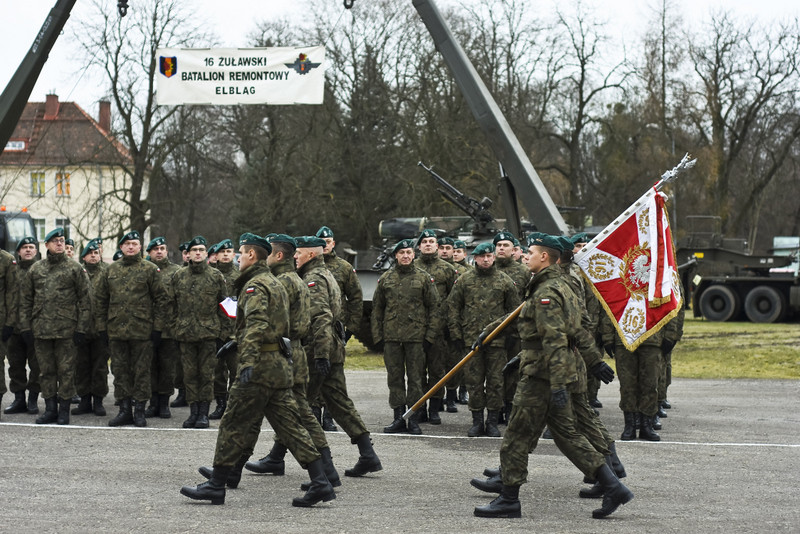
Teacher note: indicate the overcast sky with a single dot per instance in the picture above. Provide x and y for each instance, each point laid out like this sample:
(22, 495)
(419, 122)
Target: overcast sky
(234, 19)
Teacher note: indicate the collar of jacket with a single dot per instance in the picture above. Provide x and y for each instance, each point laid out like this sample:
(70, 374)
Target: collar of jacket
(162, 264)
(404, 268)
(251, 271)
(313, 263)
(286, 266)
(485, 272)
(198, 267)
(56, 258)
(329, 257)
(503, 262)
(225, 268)
(26, 264)
(130, 260)
(429, 258)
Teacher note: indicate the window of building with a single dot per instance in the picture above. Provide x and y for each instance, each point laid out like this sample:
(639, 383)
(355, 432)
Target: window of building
(63, 223)
(41, 230)
(37, 184)
(62, 184)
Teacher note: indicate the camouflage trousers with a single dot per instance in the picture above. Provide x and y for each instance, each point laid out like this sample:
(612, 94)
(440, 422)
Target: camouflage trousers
(224, 372)
(247, 405)
(588, 424)
(436, 366)
(484, 375)
(20, 356)
(592, 386)
(178, 382)
(333, 389)
(91, 368)
(404, 372)
(510, 380)
(665, 376)
(130, 365)
(162, 366)
(57, 364)
(638, 378)
(199, 358)
(531, 412)
(453, 357)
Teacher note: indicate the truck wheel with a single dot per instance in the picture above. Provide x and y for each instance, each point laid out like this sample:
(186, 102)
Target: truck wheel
(719, 303)
(763, 304)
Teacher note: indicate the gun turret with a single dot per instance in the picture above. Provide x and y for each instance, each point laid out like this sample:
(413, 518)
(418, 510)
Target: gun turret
(478, 210)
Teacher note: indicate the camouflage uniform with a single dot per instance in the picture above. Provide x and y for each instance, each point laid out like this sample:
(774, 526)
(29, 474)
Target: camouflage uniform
(197, 291)
(166, 355)
(262, 318)
(463, 267)
(480, 296)
(405, 313)
(350, 287)
(225, 368)
(20, 354)
(673, 332)
(56, 304)
(521, 275)
(9, 302)
(548, 325)
(132, 304)
(91, 366)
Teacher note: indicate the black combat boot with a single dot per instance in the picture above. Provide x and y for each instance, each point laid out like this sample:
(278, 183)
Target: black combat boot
(18, 405)
(507, 406)
(398, 424)
(433, 413)
(85, 406)
(272, 463)
(506, 505)
(202, 414)
(597, 490)
(614, 492)
(656, 422)
(234, 477)
(125, 415)
(50, 414)
(154, 409)
(493, 484)
(491, 424)
(138, 414)
(180, 400)
(463, 398)
(491, 472)
(327, 422)
(594, 403)
(222, 403)
(97, 406)
(193, 411)
(665, 404)
(616, 464)
(317, 411)
(163, 406)
(661, 412)
(368, 461)
(33, 402)
(450, 401)
(63, 411)
(213, 490)
(320, 489)
(413, 424)
(423, 413)
(477, 424)
(646, 431)
(328, 467)
(629, 432)
(547, 434)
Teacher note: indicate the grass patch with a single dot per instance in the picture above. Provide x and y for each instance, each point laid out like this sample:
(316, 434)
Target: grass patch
(361, 358)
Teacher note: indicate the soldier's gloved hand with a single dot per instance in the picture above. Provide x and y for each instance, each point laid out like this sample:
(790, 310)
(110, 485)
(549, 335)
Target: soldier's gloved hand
(27, 338)
(426, 345)
(227, 348)
(609, 348)
(8, 331)
(245, 375)
(103, 336)
(558, 398)
(79, 339)
(322, 366)
(666, 345)
(155, 337)
(603, 372)
(478, 344)
(512, 365)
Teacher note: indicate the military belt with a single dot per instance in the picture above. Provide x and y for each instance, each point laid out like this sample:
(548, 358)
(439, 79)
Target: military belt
(269, 347)
(531, 345)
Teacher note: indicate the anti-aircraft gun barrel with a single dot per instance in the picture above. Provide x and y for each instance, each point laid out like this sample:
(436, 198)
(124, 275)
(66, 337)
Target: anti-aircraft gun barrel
(478, 210)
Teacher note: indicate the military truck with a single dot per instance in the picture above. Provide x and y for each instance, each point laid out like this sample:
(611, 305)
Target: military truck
(13, 227)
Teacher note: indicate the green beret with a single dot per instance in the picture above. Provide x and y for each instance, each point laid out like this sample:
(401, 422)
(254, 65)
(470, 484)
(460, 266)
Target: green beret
(98, 240)
(324, 232)
(248, 238)
(566, 244)
(270, 235)
(581, 237)
(26, 241)
(459, 244)
(69, 241)
(447, 241)
(197, 241)
(133, 235)
(548, 241)
(309, 241)
(425, 233)
(483, 248)
(405, 243)
(283, 238)
(516, 242)
(532, 236)
(117, 255)
(213, 249)
(224, 244)
(157, 242)
(503, 236)
(90, 246)
(183, 247)
(58, 232)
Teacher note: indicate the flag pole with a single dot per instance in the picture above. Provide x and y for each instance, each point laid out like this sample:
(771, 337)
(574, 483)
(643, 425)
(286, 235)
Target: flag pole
(672, 174)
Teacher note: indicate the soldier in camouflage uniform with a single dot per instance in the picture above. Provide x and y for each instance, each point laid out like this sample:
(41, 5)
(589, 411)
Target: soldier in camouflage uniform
(446, 248)
(55, 306)
(673, 333)
(9, 303)
(482, 295)
(405, 316)
(460, 257)
(180, 398)
(548, 325)
(264, 383)
(225, 369)
(437, 356)
(165, 357)
(463, 266)
(197, 290)
(324, 347)
(91, 367)
(20, 353)
(131, 313)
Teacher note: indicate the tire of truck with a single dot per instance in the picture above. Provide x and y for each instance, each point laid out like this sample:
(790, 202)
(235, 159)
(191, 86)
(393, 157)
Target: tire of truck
(764, 304)
(719, 303)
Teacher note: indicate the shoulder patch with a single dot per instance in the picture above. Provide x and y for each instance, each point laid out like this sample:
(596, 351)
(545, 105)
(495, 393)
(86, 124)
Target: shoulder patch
(312, 284)
(14, 262)
(432, 280)
(250, 290)
(544, 301)
(354, 270)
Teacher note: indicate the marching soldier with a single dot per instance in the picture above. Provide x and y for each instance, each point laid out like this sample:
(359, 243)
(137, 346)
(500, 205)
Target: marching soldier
(225, 369)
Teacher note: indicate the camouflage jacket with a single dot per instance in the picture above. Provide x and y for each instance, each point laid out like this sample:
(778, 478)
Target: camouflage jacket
(23, 266)
(231, 272)
(197, 291)
(168, 270)
(405, 306)
(93, 271)
(519, 273)
(478, 297)
(131, 300)
(350, 287)
(299, 315)
(9, 285)
(262, 318)
(463, 267)
(444, 275)
(322, 340)
(56, 298)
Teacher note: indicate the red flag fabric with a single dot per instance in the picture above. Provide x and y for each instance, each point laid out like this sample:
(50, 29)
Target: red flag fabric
(631, 267)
